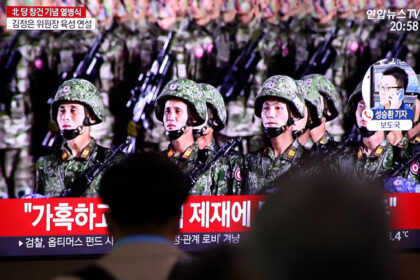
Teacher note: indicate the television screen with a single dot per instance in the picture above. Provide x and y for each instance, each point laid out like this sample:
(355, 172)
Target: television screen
(129, 55)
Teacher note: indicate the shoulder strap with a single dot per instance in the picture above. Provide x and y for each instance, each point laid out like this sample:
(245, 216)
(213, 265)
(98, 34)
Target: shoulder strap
(92, 272)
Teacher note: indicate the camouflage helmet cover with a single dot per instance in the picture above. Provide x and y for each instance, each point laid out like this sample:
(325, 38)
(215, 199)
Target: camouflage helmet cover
(187, 91)
(215, 100)
(327, 89)
(79, 91)
(311, 96)
(282, 87)
(356, 94)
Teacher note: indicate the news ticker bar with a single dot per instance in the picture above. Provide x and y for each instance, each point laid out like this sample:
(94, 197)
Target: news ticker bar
(21, 246)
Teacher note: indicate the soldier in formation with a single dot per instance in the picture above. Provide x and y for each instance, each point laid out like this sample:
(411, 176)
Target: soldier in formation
(278, 103)
(226, 174)
(77, 105)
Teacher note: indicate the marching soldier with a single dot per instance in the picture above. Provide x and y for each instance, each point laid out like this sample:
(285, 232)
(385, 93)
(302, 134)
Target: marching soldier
(76, 106)
(180, 107)
(278, 102)
(374, 158)
(225, 176)
(16, 162)
(410, 147)
(330, 104)
(312, 115)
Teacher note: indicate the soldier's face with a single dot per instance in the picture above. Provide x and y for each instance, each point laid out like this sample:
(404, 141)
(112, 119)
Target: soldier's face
(70, 115)
(359, 110)
(274, 113)
(175, 115)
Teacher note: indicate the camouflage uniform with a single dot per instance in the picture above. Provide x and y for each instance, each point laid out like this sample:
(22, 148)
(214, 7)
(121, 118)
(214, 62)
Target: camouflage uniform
(224, 177)
(401, 185)
(190, 93)
(198, 54)
(376, 165)
(187, 161)
(262, 167)
(16, 162)
(409, 178)
(353, 160)
(56, 172)
(241, 121)
(411, 172)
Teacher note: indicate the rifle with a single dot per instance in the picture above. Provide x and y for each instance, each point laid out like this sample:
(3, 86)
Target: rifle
(322, 59)
(87, 69)
(143, 97)
(82, 183)
(225, 150)
(8, 63)
(399, 48)
(243, 67)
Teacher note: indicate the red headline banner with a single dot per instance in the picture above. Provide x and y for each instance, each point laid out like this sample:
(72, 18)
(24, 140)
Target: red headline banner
(85, 216)
(220, 213)
(200, 214)
(45, 12)
(404, 210)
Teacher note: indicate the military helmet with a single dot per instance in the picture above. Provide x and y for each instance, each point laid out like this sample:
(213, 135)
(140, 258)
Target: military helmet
(215, 100)
(79, 91)
(311, 96)
(185, 90)
(327, 89)
(356, 95)
(282, 87)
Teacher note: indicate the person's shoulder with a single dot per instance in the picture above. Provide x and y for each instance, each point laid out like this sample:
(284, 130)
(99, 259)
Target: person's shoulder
(45, 160)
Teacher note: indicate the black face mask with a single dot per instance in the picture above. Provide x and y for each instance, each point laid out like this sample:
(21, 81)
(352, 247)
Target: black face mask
(175, 134)
(70, 134)
(365, 133)
(273, 132)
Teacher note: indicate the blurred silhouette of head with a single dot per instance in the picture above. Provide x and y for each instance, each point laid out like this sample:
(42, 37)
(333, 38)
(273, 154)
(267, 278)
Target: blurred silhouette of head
(144, 193)
(322, 227)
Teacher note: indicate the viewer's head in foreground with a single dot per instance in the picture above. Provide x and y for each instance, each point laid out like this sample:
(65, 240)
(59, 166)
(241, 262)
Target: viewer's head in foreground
(144, 193)
(322, 227)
